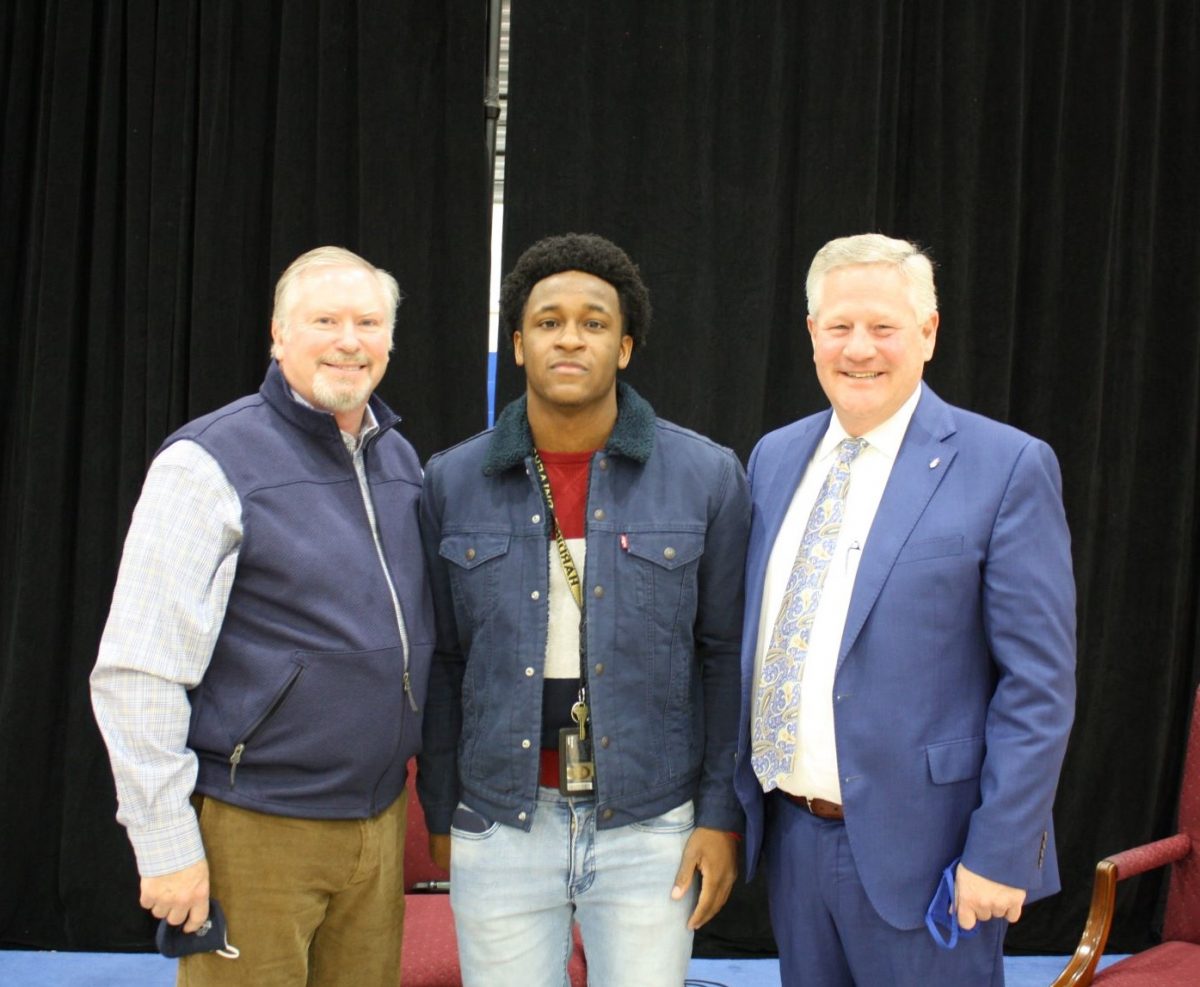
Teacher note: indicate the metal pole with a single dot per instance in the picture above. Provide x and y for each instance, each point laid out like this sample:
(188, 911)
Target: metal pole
(491, 95)
(491, 111)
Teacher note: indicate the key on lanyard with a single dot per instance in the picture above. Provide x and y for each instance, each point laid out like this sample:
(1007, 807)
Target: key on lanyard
(579, 713)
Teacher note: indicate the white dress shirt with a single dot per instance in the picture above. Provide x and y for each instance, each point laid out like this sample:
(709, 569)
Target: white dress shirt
(814, 771)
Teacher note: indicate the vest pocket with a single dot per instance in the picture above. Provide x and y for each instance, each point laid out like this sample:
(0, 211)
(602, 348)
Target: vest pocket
(280, 697)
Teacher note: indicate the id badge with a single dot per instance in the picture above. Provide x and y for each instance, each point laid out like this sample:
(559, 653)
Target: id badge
(576, 769)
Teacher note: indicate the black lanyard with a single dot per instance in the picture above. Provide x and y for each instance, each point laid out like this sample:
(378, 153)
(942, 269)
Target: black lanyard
(564, 553)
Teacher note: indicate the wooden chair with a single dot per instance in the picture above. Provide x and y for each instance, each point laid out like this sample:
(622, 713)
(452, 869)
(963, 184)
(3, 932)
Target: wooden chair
(1175, 962)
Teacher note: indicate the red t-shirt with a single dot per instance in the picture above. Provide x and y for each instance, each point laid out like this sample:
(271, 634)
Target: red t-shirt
(568, 474)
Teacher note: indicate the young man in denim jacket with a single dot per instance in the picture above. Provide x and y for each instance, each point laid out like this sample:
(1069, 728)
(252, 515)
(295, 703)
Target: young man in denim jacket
(587, 562)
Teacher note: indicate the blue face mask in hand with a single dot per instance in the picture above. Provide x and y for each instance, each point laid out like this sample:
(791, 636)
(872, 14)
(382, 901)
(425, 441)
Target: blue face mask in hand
(211, 937)
(941, 913)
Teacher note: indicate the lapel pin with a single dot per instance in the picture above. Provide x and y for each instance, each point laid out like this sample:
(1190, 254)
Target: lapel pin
(934, 462)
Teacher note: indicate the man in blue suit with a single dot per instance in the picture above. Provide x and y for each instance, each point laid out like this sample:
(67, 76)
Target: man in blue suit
(908, 651)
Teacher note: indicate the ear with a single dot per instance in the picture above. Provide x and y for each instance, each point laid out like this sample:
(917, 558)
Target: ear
(625, 352)
(518, 348)
(812, 334)
(928, 330)
(277, 333)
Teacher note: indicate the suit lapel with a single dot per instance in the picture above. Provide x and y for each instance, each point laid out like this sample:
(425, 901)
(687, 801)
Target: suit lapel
(924, 457)
(773, 485)
(788, 471)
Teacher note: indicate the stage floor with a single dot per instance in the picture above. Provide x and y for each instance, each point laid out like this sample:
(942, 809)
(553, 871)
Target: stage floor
(50, 969)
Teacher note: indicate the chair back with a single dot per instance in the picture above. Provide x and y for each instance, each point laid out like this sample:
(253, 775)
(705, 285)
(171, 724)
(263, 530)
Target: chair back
(1182, 917)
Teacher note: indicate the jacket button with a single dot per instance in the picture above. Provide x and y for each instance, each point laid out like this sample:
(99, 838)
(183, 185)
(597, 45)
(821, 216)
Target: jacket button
(536, 519)
(598, 514)
(598, 592)
(603, 464)
(470, 554)
(603, 741)
(668, 552)
(535, 595)
(607, 814)
(521, 816)
(526, 744)
(599, 669)
(529, 672)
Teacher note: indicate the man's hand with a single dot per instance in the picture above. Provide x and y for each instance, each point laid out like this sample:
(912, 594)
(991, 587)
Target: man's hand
(714, 854)
(180, 897)
(439, 849)
(977, 899)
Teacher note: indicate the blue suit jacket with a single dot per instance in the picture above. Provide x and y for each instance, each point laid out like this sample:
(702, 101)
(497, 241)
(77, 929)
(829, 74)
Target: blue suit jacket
(955, 686)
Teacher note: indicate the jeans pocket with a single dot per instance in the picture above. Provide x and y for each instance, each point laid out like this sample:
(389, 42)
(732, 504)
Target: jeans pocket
(467, 824)
(681, 819)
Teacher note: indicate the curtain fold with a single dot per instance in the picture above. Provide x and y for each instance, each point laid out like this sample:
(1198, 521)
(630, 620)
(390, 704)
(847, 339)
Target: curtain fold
(1047, 154)
(162, 163)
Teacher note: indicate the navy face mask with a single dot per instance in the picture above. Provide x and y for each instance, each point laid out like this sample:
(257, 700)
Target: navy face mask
(211, 937)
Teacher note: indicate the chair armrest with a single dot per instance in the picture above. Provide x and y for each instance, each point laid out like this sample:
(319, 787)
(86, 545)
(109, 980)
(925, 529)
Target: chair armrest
(1128, 863)
(1140, 859)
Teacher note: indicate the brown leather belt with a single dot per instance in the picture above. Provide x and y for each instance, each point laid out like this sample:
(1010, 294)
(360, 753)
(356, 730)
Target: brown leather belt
(818, 807)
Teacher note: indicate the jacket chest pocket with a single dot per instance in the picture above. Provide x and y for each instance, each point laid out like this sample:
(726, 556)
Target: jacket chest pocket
(475, 560)
(666, 565)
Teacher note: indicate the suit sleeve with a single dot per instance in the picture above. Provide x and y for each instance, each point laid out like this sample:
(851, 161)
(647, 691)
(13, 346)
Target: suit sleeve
(1029, 623)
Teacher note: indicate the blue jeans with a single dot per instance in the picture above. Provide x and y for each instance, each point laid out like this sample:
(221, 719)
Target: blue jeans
(515, 895)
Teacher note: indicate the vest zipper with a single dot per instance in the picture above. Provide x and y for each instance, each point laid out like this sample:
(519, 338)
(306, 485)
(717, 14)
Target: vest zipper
(236, 757)
(364, 488)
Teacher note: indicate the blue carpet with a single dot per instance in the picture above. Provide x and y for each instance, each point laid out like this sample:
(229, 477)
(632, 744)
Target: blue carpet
(29, 969)
(1019, 971)
(42, 969)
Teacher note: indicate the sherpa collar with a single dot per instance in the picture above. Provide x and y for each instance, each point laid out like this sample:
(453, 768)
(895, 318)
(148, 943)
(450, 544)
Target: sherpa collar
(632, 436)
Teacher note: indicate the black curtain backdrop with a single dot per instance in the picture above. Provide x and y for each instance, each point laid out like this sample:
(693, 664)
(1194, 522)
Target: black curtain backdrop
(1047, 152)
(161, 163)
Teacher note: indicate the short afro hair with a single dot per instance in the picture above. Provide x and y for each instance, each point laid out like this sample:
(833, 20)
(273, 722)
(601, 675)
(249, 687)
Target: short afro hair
(587, 252)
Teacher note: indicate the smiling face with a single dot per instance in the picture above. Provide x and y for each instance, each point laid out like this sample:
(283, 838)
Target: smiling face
(868, 347)
(333, 345)
(571, 343)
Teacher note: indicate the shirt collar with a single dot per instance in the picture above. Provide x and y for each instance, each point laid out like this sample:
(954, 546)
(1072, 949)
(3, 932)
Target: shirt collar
(884, 438)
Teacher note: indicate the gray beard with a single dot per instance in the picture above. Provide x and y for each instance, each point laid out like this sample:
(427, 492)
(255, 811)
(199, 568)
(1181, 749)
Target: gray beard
(344, 397)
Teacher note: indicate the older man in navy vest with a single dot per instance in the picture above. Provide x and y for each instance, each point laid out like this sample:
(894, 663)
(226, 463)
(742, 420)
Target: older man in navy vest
(262, 672)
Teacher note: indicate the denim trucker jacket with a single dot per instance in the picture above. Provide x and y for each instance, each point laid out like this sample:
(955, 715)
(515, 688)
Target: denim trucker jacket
(668, 515)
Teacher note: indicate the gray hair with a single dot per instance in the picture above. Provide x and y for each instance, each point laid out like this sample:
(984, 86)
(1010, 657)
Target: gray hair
(875, 248)
(331, 257)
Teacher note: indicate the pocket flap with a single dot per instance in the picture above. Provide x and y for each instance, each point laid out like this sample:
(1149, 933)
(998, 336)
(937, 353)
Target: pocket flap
(955, 760)
(472, 549)
(669, 549)
(931, 548)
